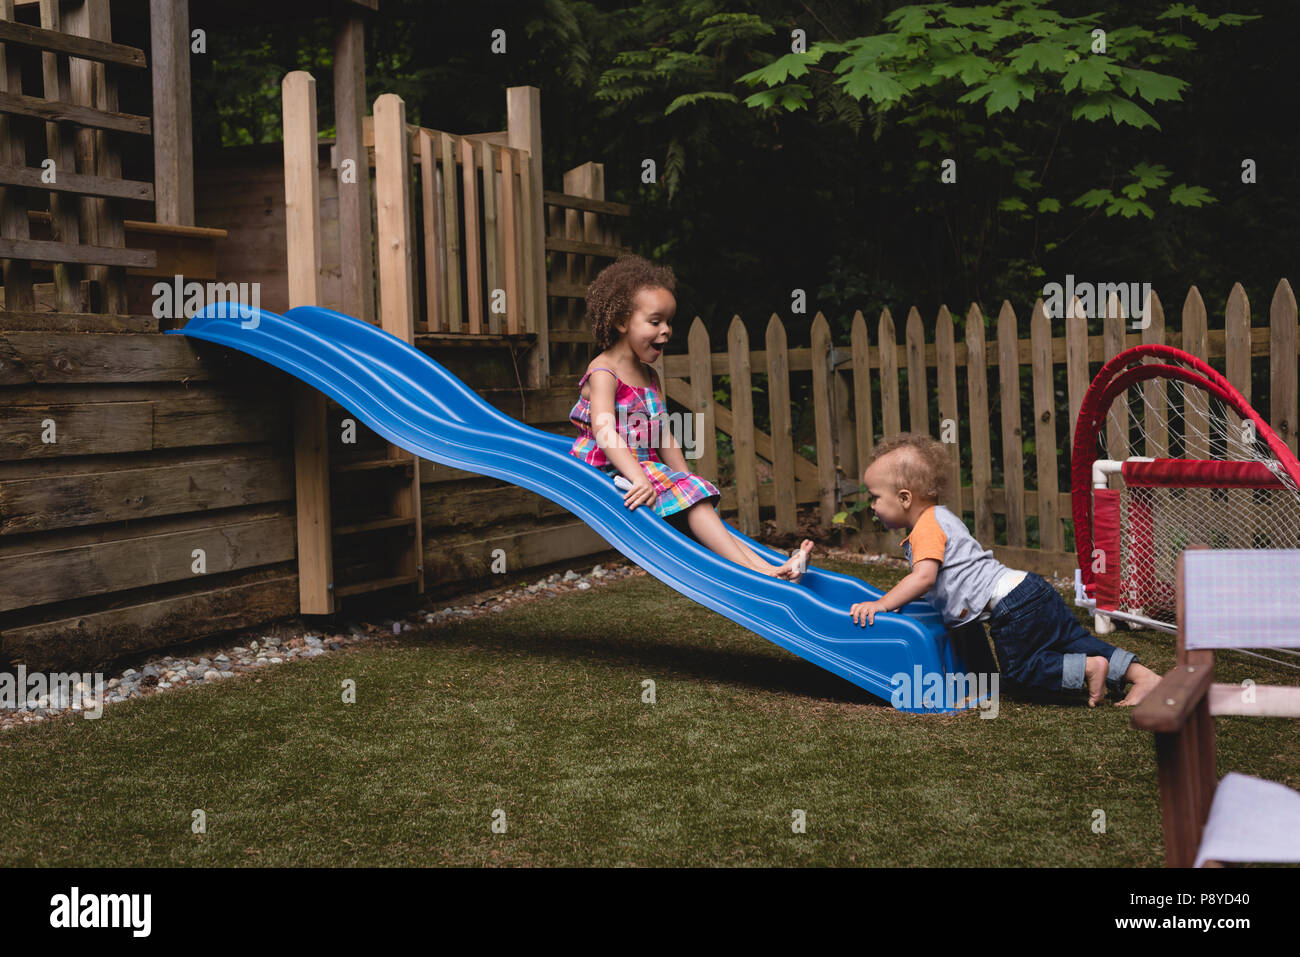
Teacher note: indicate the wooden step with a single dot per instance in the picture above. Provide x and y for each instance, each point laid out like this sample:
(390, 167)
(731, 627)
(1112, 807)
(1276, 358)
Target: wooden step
(374, 464)
(374, 525)
(377, 584)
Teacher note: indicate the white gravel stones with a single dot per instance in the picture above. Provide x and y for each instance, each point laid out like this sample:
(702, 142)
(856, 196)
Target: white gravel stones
(167, 671)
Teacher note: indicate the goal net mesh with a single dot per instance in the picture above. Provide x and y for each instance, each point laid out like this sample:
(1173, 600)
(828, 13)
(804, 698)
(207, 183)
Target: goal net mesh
(1214, 481)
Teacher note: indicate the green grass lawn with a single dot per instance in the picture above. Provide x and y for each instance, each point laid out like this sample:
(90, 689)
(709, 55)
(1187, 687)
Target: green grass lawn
(538, 712)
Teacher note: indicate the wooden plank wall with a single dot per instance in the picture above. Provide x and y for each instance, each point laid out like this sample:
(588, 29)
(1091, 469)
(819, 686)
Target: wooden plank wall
(162, 445)
(242, 192)
(121, 454)
(145, 494)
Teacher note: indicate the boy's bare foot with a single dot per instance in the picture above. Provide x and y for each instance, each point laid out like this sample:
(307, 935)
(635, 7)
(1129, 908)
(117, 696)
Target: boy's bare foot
(796, 564)
(1094, 676)
(1144, 680)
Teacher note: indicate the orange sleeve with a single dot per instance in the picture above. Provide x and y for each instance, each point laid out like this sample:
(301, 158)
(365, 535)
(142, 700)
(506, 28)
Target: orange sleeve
(927, 539)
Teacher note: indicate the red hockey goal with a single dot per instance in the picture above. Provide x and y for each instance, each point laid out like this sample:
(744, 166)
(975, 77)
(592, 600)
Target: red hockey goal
(1212, 472)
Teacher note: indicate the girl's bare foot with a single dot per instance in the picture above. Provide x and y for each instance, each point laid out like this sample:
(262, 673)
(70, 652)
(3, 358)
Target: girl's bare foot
(796, 564)
(1094, 676)
(1144, 679)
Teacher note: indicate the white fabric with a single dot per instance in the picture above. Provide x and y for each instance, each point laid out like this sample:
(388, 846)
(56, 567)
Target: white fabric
(1253, 821)
(1005, 585)
(1241, 598)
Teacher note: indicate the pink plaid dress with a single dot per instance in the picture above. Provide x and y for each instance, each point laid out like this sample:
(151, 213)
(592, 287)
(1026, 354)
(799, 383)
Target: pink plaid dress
(635, 408)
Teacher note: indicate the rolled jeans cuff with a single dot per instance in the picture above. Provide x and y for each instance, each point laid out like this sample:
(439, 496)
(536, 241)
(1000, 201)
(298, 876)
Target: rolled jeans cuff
(1072, 671)
(1119, 663)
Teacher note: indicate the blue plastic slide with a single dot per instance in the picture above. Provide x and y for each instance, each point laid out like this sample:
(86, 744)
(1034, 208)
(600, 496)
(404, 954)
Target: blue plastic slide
(412, 401)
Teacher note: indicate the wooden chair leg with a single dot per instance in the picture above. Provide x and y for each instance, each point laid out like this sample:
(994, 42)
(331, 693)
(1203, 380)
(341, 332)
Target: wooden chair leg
(1206, 762)
(1178, 797)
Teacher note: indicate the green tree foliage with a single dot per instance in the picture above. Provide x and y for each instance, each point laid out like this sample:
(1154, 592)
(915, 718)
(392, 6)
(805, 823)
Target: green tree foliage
(1000, 96)
(1004, 56)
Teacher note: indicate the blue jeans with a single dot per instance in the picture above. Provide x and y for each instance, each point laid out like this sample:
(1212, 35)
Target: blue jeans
(1041, 644)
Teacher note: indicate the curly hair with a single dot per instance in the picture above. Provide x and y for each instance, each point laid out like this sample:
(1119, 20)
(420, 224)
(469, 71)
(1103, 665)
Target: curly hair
(612, 292)
(923, 466)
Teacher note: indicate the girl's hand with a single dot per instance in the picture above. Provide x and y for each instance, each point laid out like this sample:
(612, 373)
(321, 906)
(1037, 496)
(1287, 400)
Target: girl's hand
(641, 493)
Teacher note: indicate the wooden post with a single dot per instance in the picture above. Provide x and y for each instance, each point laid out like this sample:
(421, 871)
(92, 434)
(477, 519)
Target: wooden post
(1044, 412)
(844, 428)
(918, 393)
(1112, 341)
(1236, 344)
(524, 132)
(310, 442)
(435, 260)
(863, 420)
(64, 227)
(587, 180)
(778, 401)
(451, 231)
(510, 245)
(100, 224)
(173, 137)
(1013, 461)
(697, 343)
(1156, 418)
(533, 255)
(1282, 412)
(356, 254)
(395, 232)
(977, 387)
(945, 351)
(1196, 415)
(491, 258)
(473, 271)
(827, 477)
(742, 432)
(1076, 361)
(393, 222)
(886, 346)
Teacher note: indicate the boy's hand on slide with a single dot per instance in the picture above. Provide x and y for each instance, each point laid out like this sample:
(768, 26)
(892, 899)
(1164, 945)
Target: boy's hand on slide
(864, 612)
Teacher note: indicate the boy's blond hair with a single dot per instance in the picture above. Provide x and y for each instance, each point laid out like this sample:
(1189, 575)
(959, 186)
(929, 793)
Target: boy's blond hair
(922, 465)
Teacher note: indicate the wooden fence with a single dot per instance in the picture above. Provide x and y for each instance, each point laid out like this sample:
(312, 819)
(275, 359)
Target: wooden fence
(495, 250)
(858, 396)
(477, 236)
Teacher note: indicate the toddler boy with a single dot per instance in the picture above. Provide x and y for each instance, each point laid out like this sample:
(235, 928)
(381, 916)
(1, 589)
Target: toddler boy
(1039, 642)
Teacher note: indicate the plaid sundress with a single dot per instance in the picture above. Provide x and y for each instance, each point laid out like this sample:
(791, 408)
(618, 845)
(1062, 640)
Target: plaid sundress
(637, 407)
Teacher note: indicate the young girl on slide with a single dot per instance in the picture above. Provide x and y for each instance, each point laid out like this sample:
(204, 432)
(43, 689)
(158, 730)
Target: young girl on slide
(631, 307)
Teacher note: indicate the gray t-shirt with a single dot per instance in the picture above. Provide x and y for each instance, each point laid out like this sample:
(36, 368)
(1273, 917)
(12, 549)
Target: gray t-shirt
(969, 571)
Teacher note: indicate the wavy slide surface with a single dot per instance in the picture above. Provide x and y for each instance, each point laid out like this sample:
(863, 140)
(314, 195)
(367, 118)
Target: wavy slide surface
(412, 401)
